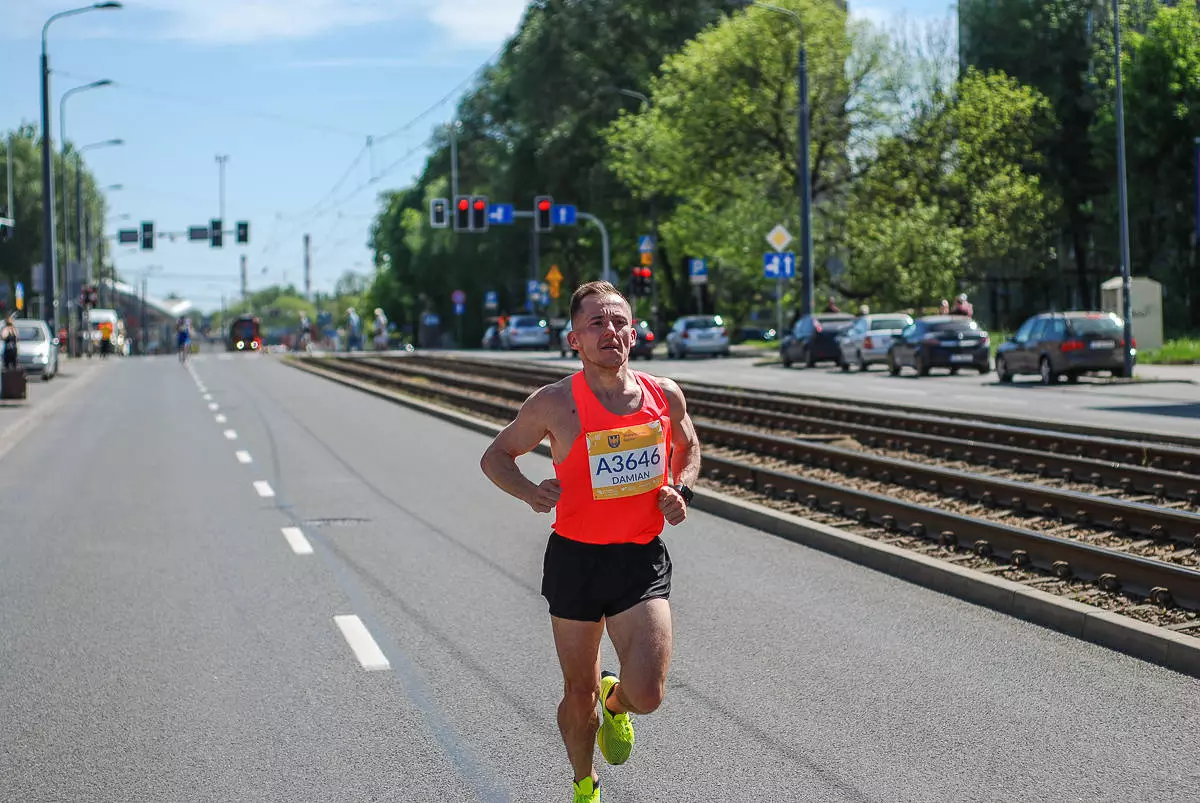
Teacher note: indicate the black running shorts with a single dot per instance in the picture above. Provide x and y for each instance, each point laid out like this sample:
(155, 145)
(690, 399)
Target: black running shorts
(587, 582)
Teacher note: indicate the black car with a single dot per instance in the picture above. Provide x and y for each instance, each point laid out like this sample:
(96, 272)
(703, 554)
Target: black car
(1069, 344)
(940, 341)
(645, 343)
(814, 339)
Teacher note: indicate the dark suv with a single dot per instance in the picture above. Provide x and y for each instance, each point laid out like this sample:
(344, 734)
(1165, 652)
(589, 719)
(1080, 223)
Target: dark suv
(814, 339)
(1069, 344)
(940, 341)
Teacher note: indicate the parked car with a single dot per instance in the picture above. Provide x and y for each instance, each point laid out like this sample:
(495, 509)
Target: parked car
(525, 332)
(491, 338)
(564, 348)
(754, 332)
(37, 351)
(941, 341)
(698, 334)
(868, 339)
(645, 343)
(814, 339)
(1069, 344)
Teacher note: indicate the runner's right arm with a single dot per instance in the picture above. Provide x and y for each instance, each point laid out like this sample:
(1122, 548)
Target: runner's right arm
(520, 437)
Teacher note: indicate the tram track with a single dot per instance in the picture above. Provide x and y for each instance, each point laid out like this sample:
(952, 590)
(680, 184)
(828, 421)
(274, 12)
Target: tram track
(1141, 558)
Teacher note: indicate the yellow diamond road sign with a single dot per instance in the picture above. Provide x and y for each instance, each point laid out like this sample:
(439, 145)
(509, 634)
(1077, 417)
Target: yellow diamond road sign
(779, 238)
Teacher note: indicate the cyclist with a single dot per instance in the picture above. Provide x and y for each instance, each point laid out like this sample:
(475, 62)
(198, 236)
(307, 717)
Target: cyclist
(183, 338)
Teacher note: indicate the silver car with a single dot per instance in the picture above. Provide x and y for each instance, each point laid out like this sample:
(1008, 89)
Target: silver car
(525, 332)
(37, 351)
(698, 334)
(867, 340)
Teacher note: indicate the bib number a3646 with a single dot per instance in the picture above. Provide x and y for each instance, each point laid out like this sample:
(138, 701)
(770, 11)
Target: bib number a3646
(627, 462)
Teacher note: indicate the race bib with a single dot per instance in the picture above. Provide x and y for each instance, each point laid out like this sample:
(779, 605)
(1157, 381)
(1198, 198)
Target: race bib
(627, 461)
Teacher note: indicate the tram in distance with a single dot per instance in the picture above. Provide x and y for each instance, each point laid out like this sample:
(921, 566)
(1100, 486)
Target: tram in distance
(244, 334)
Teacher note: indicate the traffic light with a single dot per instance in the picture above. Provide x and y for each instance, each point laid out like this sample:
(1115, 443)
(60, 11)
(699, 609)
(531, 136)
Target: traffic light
(243, 233)
(543, 213)
(479, 213)
(147, 236)
(439, 213)
(216, 234)
(643, 282)
(462, 213)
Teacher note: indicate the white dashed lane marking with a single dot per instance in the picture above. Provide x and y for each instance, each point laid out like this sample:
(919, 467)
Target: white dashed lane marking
(244, 457)
(208, 397)
(221, 419)
(264, 489)
(231, 434)
(359, 638)
(297, 541)
(214, 406)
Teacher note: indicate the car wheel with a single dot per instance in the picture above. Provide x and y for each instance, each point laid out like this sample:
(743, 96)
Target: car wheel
(862, 364)
(562, 352)
(1048, 375)
(1002, 371)
(1120, 373)
(845, 366)
(1073, 378)
(45, 376)
(920, 366)
(809, 360)
(953, 371)
(893, 366)
(649, 355)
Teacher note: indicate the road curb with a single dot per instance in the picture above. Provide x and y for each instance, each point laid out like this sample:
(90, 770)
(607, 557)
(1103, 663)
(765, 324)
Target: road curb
(1148, 642)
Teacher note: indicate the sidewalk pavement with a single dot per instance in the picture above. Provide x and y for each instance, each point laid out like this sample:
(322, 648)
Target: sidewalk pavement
(43, 399)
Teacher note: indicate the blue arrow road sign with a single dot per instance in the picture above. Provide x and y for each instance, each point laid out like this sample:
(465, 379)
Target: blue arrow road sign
(500, 214)
(531, 287)
(779, 266)
(458, 309)
(646, 244)
(564, 215)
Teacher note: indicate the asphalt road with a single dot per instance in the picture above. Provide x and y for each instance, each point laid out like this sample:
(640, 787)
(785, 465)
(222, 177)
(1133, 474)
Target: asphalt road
(162, 639)
(1151, 406)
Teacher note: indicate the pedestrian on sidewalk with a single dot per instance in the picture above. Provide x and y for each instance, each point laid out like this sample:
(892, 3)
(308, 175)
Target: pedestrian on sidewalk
(9, 337)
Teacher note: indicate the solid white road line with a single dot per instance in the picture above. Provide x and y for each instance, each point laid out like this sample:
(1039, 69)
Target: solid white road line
(359, 638)
(231, 435)
(264, 489)
(214, 406)
(221, 419)
(244, 457)
(297, 541)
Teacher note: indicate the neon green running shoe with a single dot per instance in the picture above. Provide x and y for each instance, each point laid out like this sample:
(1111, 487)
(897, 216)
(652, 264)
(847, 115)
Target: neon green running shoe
(615, 736)
(587, 791)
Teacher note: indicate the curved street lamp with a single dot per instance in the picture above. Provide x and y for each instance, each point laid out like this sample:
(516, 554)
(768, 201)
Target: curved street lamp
(49, 261)
(62, 146)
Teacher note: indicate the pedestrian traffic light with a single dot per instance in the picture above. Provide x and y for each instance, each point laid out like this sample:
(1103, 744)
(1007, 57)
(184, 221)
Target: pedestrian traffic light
(479, 213)
(543, 208)
(439, 213)
(216, 234)
(147, 236)
(243, 233)
(462, 213)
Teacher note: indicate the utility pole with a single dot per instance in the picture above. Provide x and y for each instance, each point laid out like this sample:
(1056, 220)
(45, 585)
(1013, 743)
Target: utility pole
(1123, 200)
(243, 278)
(454, 159)
(307, 267)
(49, 232)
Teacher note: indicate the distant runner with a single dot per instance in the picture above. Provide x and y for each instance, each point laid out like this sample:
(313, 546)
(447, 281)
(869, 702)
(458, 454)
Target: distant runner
(183, 338)
(614, 433)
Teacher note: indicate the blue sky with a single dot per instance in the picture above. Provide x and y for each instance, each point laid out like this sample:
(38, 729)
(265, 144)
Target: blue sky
(290, 90)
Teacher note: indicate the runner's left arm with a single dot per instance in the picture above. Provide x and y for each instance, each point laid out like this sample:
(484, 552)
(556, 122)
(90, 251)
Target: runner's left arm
(685, 452)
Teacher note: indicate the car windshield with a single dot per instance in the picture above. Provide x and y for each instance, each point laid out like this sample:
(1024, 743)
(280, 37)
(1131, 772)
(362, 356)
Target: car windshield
(954, 327)
(29, 333)
(1100, 325)
(707, 322)
(888, 323)
(526, 322)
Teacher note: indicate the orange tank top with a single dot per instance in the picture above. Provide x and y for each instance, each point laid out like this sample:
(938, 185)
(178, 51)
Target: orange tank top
(611, 476)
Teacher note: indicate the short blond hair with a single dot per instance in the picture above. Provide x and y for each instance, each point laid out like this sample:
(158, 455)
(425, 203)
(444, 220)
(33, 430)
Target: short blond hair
(585, 291)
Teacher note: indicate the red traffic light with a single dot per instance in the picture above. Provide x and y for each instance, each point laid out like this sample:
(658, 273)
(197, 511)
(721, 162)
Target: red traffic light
(543, 206)
(464, 204)
(480, 205)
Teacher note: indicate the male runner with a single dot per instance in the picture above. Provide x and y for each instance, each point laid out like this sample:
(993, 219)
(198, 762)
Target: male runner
(614, 434)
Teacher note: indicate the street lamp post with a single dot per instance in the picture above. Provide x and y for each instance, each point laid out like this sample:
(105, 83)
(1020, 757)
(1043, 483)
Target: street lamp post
(49, 262)
(66, 285)
(221, 160)
(804, 175)
(1123, 200)
(62, 144)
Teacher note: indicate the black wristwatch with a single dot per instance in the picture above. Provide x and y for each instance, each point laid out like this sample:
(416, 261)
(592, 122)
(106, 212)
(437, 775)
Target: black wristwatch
(686, 493)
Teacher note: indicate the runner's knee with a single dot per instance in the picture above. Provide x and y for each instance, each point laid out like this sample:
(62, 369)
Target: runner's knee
(643, 696)
(580, 695)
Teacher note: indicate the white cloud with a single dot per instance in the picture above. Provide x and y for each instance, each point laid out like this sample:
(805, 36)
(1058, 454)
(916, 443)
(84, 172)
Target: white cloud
(466, 22)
